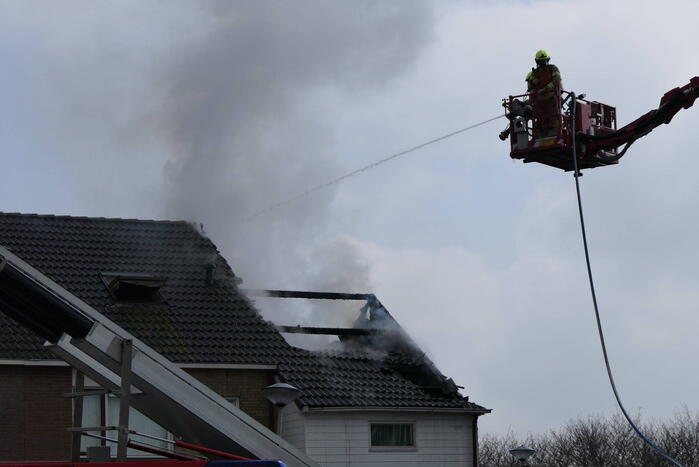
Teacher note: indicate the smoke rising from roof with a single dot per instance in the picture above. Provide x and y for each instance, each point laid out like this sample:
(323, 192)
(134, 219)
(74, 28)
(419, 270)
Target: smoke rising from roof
(240, 118)
(210, 110)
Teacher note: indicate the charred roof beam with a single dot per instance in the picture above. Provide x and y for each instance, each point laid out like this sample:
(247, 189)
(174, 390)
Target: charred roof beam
(330, 331)
(307, 295)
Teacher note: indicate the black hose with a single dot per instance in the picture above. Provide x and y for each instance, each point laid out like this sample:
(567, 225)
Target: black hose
(594, 300)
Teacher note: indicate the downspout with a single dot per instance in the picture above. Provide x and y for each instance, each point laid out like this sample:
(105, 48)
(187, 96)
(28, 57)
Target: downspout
(474, 435)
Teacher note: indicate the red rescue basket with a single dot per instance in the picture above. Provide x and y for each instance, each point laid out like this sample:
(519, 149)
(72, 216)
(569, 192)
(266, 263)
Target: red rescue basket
(541, 131)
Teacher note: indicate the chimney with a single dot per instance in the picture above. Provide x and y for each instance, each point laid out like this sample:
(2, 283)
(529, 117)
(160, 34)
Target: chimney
(210, 273)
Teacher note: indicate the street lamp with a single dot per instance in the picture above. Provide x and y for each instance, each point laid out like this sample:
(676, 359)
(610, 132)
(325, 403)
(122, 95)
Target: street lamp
(522, 453)
(281, 395)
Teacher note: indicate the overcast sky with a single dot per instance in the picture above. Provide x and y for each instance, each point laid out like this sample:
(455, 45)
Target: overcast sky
(210, 111)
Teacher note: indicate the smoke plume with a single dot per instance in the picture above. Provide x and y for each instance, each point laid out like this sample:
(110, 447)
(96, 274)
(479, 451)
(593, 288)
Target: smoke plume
(240, 121)
(208, 111)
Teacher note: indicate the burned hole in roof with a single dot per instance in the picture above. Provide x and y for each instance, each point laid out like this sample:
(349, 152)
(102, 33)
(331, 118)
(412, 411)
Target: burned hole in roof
(133, 287)
(375, 336)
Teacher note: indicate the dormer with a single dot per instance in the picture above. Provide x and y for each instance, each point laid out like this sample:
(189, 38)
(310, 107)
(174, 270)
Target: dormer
(137, 287)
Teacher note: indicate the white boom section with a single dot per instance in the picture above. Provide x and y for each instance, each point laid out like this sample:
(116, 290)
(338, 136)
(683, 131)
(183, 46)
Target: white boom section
(164, 392)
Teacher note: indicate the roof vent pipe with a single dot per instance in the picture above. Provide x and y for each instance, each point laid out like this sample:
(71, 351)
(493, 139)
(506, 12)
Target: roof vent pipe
(210, 273)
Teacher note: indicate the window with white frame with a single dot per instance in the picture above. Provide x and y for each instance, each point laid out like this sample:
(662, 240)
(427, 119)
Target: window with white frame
(234, 400)
(390, 435)
(103, 410)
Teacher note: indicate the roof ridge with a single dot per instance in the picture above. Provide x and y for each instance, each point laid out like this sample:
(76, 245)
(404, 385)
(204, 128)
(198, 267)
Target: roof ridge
(117, 222)
(103, 219)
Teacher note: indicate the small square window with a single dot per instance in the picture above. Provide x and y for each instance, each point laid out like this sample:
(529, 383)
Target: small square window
(234, 400)
(390, 435)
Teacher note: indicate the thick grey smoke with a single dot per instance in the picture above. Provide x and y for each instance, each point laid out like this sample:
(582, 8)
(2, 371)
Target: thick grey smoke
(244, 123)
(208, 111)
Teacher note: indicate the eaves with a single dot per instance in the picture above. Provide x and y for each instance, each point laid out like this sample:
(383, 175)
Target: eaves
(463, 410)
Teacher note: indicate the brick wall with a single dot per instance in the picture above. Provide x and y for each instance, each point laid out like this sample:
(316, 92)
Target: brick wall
(246, 385)
(33, 414)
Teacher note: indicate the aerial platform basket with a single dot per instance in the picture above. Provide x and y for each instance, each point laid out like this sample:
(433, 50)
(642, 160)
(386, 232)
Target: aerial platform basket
(545, 124)
(555, 148)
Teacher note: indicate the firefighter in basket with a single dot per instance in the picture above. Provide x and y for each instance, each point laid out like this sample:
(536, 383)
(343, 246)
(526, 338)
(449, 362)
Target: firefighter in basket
(544, 84)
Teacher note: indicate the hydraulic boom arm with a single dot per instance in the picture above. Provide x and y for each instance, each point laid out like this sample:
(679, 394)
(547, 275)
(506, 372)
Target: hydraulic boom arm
(672, 102)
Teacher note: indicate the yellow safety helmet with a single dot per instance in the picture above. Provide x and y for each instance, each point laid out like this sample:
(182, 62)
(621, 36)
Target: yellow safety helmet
(542, 55)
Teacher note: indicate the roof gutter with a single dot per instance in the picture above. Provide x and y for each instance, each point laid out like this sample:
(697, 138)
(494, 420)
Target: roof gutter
(462, 410)
(10, 362)
(196, 366)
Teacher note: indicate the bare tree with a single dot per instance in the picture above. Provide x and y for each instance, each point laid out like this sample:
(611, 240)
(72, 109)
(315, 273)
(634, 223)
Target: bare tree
(598, 441)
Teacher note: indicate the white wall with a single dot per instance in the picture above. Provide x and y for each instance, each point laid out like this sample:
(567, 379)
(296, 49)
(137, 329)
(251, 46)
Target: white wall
(341, 439)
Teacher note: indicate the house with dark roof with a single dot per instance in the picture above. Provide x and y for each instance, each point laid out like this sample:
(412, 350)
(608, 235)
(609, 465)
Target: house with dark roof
(377, 399)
